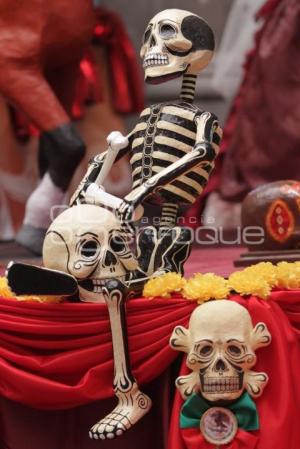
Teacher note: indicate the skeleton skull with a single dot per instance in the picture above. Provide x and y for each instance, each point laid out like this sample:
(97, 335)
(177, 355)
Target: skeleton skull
(221, 343)
(175, 42)
(85, 241)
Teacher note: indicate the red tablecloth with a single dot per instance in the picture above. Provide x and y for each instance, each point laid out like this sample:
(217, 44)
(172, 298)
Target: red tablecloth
(60, 356)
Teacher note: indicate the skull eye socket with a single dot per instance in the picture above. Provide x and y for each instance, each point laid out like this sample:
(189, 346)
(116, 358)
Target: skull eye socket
(234, 350)
(167, 31)
(89, 248)
(117, 244)
(205, 350)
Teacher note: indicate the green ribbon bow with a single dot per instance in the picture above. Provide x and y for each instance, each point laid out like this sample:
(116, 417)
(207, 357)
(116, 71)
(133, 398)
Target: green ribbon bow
(244, 409)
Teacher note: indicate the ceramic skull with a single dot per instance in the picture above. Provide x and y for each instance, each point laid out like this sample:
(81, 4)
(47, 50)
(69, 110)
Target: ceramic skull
(86, 242)
(175, 42)
(220, 345)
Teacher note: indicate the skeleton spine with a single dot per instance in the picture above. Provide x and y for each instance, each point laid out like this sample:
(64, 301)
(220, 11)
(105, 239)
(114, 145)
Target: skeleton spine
(188, 87)
(168, 215)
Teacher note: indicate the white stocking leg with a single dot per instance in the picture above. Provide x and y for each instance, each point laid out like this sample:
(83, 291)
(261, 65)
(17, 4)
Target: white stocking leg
(41, 201)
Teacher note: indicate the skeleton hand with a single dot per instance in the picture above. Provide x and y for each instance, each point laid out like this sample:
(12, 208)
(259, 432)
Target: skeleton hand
(117, 141)
(125, 214)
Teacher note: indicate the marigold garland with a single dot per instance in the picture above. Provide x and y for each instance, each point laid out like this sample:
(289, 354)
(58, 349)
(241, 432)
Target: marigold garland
(265, 270)
(249, 283)
(164, 285)
(258, 280)
(203, 287)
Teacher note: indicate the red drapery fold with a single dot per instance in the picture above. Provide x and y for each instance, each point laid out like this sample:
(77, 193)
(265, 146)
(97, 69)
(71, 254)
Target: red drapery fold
(278, 407)
(243, 440)
(60, 356)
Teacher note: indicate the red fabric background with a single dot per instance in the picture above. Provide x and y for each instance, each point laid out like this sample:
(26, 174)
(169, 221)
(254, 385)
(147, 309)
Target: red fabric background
(261, 136)
(127, 90)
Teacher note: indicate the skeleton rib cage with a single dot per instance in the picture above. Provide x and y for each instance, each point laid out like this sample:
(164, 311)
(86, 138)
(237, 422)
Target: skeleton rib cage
(165, 133)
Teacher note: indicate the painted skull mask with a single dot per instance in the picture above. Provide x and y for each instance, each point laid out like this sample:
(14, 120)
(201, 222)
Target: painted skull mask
(220, 345)
(175, 42)
(86, 241)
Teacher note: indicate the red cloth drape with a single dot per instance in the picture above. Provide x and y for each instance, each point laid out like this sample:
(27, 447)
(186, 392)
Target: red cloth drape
(243, 440)
(60, 356)
(279, 405)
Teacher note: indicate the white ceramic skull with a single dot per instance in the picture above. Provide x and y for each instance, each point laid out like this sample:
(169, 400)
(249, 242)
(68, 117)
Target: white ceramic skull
(220, 345)
(86, 242)
(175, 42)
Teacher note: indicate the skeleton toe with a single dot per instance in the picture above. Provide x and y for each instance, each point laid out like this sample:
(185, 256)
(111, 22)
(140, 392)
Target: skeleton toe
(109, 427)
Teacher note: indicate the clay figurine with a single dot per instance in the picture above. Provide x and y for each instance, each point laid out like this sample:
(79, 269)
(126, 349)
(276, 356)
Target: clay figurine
(172, 150)
(220, 344)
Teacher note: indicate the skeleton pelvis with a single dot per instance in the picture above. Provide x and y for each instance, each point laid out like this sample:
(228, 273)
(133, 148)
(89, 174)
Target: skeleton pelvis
(163, 250)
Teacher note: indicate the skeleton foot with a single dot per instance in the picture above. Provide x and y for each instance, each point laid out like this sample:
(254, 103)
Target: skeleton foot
(130, 409)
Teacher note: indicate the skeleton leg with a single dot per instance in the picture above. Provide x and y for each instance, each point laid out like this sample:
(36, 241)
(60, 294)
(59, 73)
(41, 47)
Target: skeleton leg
(132, 403)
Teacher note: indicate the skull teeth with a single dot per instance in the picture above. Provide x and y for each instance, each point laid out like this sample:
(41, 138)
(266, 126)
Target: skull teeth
(152, 60)
(99, 283)
(221, 385)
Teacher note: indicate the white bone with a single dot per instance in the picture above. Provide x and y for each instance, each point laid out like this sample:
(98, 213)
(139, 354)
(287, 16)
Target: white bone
(96, 195)
(116, 142)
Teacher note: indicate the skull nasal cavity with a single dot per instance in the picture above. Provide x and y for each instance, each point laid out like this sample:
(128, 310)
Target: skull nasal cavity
(152, 41)
(110, 259)
(220, 365)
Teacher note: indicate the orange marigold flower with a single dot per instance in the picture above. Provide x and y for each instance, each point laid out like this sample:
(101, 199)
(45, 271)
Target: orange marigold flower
(247, 282)
(288, 275)
(163, 285)
(203, 287)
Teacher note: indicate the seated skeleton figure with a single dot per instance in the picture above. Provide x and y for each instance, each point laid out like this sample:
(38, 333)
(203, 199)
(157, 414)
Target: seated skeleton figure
(172, 149)
(173, 146)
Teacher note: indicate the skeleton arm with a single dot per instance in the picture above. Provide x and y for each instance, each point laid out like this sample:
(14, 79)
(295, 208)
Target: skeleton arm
(94, 169)
(203, 154)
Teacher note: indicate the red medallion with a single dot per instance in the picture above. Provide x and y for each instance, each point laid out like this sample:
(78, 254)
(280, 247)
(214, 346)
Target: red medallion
(280, 221)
